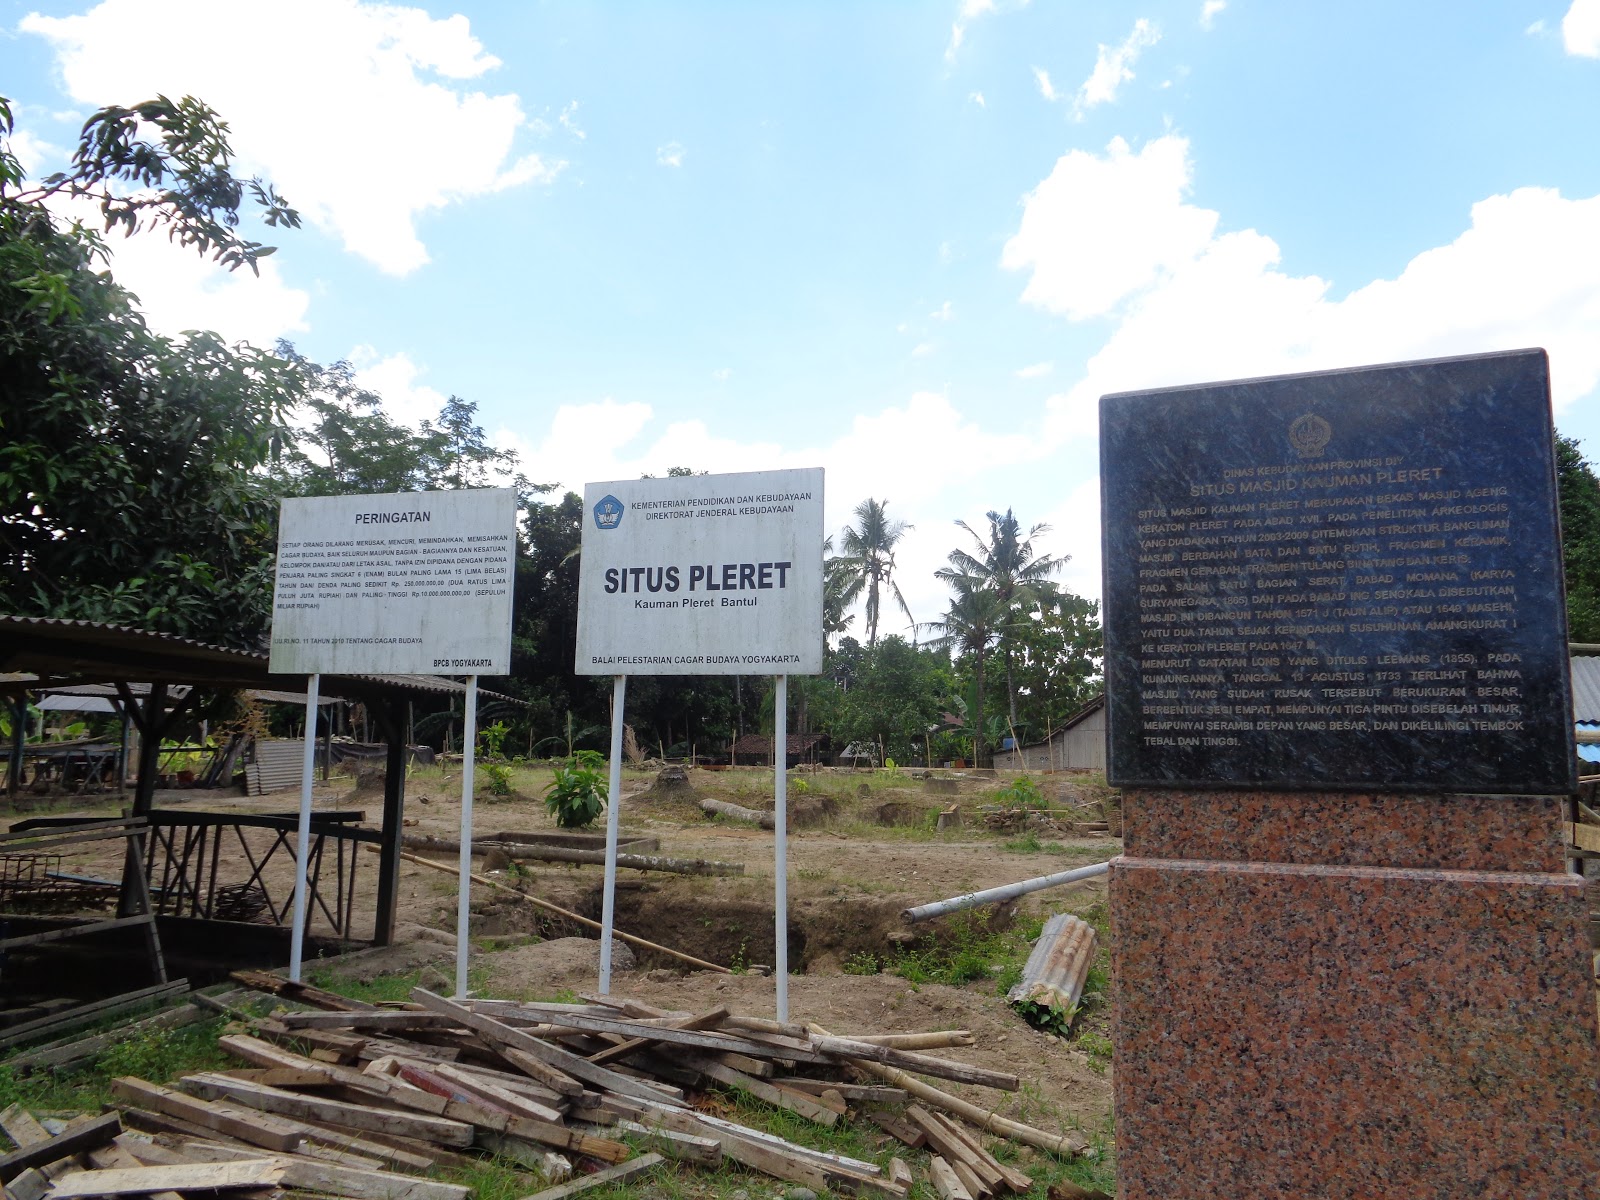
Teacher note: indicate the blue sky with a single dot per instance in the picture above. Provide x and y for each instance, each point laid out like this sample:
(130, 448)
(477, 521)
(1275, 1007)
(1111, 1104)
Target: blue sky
(908, 243)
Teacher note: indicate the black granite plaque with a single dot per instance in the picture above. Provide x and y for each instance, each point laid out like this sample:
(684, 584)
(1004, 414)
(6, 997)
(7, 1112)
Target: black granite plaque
(1348, 579)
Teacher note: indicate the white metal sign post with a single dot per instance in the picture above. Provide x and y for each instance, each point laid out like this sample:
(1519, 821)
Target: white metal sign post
(702, 575)
(404, 583)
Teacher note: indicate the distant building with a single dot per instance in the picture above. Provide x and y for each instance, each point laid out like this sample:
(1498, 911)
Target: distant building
(1079, 745)
(755, 750)
(1586, 705)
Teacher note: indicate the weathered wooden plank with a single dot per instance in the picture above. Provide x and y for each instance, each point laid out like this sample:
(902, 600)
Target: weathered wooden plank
(87, 1014)
(475, 1085)
(127, 1181)
(685, 1147)
(945, 1181)
(899, 1172)
(563, 1060)
(382, 1020)
(316, 1175)
(67, 1052)
(87, 1136)
(989, 1122)
(610, 1175)
(695, 1038)
(19, 1125)
(267, 1133)
(340, 1112)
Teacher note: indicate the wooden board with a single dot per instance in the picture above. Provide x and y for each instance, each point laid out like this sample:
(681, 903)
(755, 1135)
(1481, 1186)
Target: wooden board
(339, 1112)
(267, 1133)
(87, 1136)
(610, 1175)
(563, 1060)
(182, 1177)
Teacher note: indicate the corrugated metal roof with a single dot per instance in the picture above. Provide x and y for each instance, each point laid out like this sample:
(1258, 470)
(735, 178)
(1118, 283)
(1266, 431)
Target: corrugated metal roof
(62, 649)
(1586, 689)
(1059, 965)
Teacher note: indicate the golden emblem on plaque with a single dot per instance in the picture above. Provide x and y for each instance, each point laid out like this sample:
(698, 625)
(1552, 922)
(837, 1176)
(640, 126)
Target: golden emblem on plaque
(1309, 435)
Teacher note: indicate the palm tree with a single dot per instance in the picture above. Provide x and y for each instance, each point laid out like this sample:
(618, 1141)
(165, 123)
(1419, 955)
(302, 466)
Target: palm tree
(869, 552)
(971, 625)
(841, 585)
(1007, 565)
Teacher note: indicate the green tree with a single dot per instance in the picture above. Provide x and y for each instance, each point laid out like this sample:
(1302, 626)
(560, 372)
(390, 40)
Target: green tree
(1579, 493)
(1060, 651)
(971, 626)
(868, 557)
(131, 487)
(895, 699)
(841, 586)
(1007, 565)
(347, 443)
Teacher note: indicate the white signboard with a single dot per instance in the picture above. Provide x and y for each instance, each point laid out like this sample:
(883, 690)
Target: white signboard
(702, 575)
(411, 583)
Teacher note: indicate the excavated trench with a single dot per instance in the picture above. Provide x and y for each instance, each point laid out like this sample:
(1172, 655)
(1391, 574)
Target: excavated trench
(824, 933)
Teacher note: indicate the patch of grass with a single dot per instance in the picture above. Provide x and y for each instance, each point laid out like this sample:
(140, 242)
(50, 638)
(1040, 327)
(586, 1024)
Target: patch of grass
(812, 873)
(158, 1055)
(1097, 1047)
(863, 962)
(968, 948)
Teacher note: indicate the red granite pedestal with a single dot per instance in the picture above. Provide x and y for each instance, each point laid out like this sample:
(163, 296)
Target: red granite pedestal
(1323, 995)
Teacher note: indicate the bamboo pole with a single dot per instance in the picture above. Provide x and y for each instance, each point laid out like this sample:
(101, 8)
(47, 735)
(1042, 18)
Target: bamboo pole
(562, 912)
(1065, 1144)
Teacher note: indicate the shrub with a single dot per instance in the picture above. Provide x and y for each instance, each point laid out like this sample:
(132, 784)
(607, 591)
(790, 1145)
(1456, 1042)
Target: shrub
(577, 794)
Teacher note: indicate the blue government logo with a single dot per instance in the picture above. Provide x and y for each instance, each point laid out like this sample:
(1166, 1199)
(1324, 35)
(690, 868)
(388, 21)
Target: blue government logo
(608, 512)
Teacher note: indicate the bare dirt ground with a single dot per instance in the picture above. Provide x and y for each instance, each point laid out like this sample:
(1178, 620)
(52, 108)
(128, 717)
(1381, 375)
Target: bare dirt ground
(849, 879)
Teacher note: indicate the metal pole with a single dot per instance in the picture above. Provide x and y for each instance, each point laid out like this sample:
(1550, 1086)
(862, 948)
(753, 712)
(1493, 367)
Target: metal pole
(469, 739)
(780, 840)
(297, 935)
(996, 895)
(608, 903)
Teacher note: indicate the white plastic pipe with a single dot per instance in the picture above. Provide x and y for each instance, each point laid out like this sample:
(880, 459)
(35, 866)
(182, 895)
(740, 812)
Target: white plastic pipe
(608, 902)
(297, 936)
(997, 895)
(469, 746)
(780, 840)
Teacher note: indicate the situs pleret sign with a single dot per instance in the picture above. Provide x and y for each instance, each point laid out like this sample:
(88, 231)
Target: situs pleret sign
(702, 575)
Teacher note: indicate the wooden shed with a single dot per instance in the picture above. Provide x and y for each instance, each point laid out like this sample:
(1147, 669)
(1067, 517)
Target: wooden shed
(1079, 745)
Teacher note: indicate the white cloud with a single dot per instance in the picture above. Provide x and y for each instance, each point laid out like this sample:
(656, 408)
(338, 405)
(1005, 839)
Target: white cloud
(406, 399)
(969, 11)
(722, 374)
(1209, 11)
(1036, 370)
(179, 291)
(1580, 28)
(943, 313)
(1113, 66)
(670, 155)
(622, 440)
(1075, 532)
(569, 120)
(1100, 229)
(1046, 88)
(1216, 306)
(923, 349)
(34, 153)
(1536, 29)
(977, 98)
(356, 111)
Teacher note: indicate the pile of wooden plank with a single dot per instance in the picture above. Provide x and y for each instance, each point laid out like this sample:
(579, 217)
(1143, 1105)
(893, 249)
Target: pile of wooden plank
(349, 1099)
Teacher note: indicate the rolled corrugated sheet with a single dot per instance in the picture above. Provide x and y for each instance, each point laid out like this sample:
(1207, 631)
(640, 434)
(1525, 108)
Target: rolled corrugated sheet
(1059, 965)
